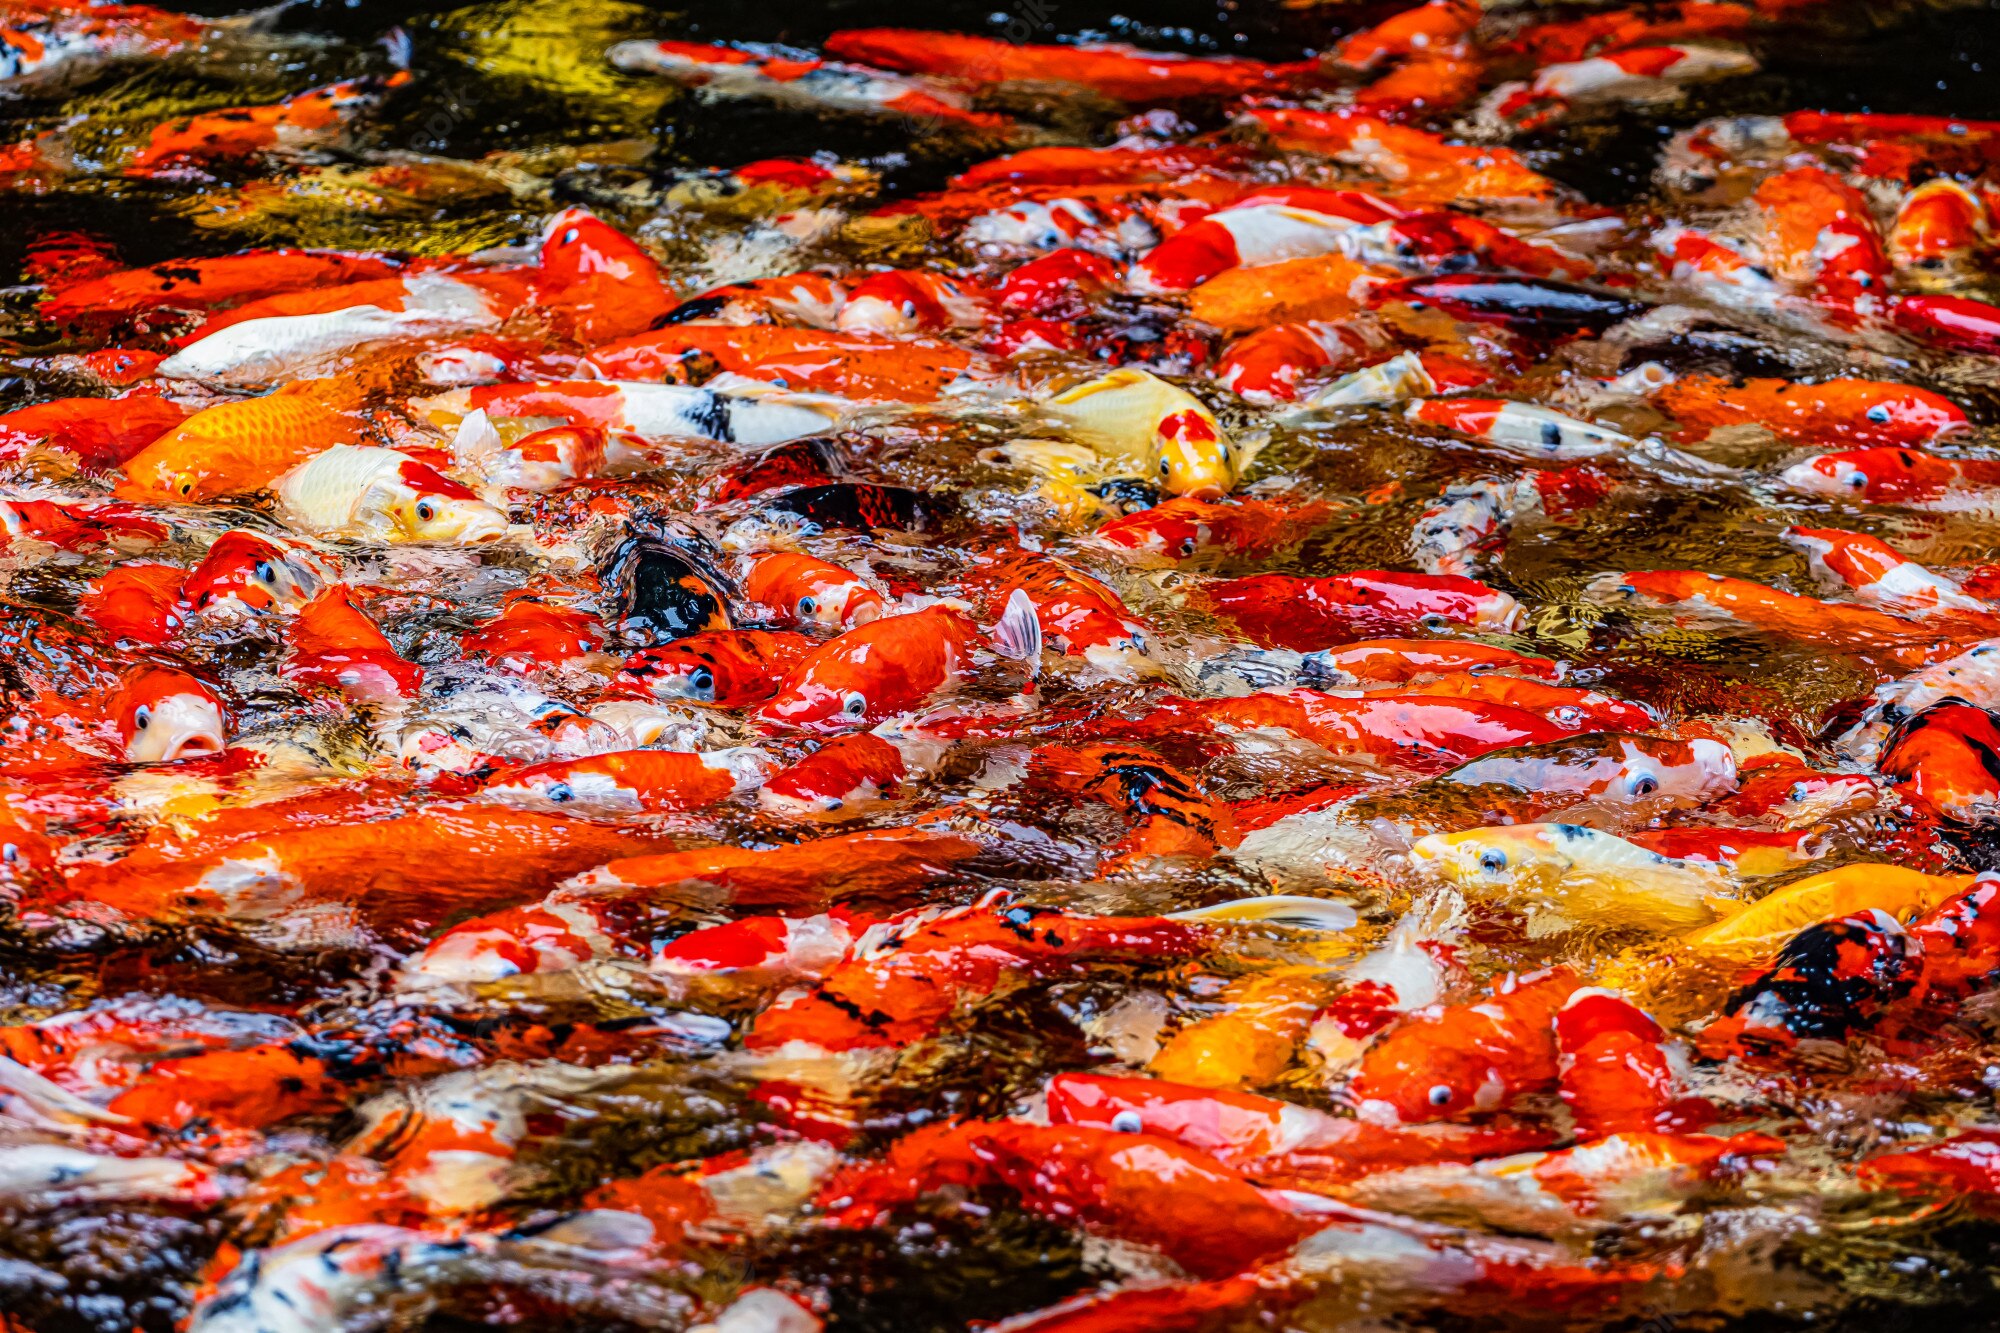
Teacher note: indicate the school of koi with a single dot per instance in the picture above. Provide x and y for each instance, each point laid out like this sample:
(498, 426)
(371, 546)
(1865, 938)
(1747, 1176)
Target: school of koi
(1096, 745)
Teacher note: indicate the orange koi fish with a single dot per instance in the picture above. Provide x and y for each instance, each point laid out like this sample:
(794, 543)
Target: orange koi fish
(236, 448)
(1865, 412)
(310, 118)
(875, 671)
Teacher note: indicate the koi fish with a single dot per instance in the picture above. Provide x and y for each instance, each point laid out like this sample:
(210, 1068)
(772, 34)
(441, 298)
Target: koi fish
(1868, 412)
(207, 284)
(1637, 74)
(1522, 428)
(1113, 69)
(1938, 224)
(1615, 1179)
(1175, 819)
(1284, 222)
(1717, 599)
(727, 668)
(1415, 732)
(1138, 412)
(371, 494)
(248, 573)
(784, 74)
(531, 634)
(334, 644)
(906, 301)
(1073, 613)
(248, 347)
(848, 777)
(47, 45)
(653, 410)
(163, 715)
(1422, 167)
(1947, 757)
(99, 433)
(1563, 875)
(607, 286)
(311, 118)
(140, 600)
(628, 782)
(236, 448)
(1186, 529)
(1969, 678)
(1956, 322)
(1883, 578)
(807, 591)
(874, 671)
(1265, 367)
(1909, 478)
(1444, 1061)
(1292, 612)
(1820, 233)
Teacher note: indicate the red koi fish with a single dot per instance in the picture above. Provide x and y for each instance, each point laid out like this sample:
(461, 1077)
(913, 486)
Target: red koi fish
(1286, 611)
(1115, 70)
(99, 433)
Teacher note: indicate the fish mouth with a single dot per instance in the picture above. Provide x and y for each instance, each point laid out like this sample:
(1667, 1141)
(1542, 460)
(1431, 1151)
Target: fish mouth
(183, 726)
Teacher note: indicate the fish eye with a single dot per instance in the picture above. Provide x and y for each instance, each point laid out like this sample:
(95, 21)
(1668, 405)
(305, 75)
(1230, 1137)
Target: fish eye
(142, 716)
(570, 237)
(1187, 546)
(1645, 785)
(1879, 414)
(1166, 467)
(807, 606)
(1857, 480)
(1439, 1095)
(266, 572)
(855, 705)
(703, 680)
(1127, 1122)
(426, 511)
(1493, 860)
(561, 793)
(909, 310)
(187, 487)
(10, 853)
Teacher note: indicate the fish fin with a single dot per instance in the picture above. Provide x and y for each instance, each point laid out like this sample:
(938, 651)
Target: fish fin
(1289, 910)
(257, 20)
(51, 1099)
(1019, 634)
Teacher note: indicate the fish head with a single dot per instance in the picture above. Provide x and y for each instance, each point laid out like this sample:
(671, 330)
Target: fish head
(1430, 1067)
(1484, 857)
(1196, 458)
(245, 572)
(891, 303)
(162, 715)
(824, 700)
(577, 787)
(430, 507)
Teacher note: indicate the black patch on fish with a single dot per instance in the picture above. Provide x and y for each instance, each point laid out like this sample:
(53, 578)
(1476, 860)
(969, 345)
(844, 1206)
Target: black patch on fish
(857, 506)
(699, 307)
(712, 418)
(662, 593)
(1538, 307)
